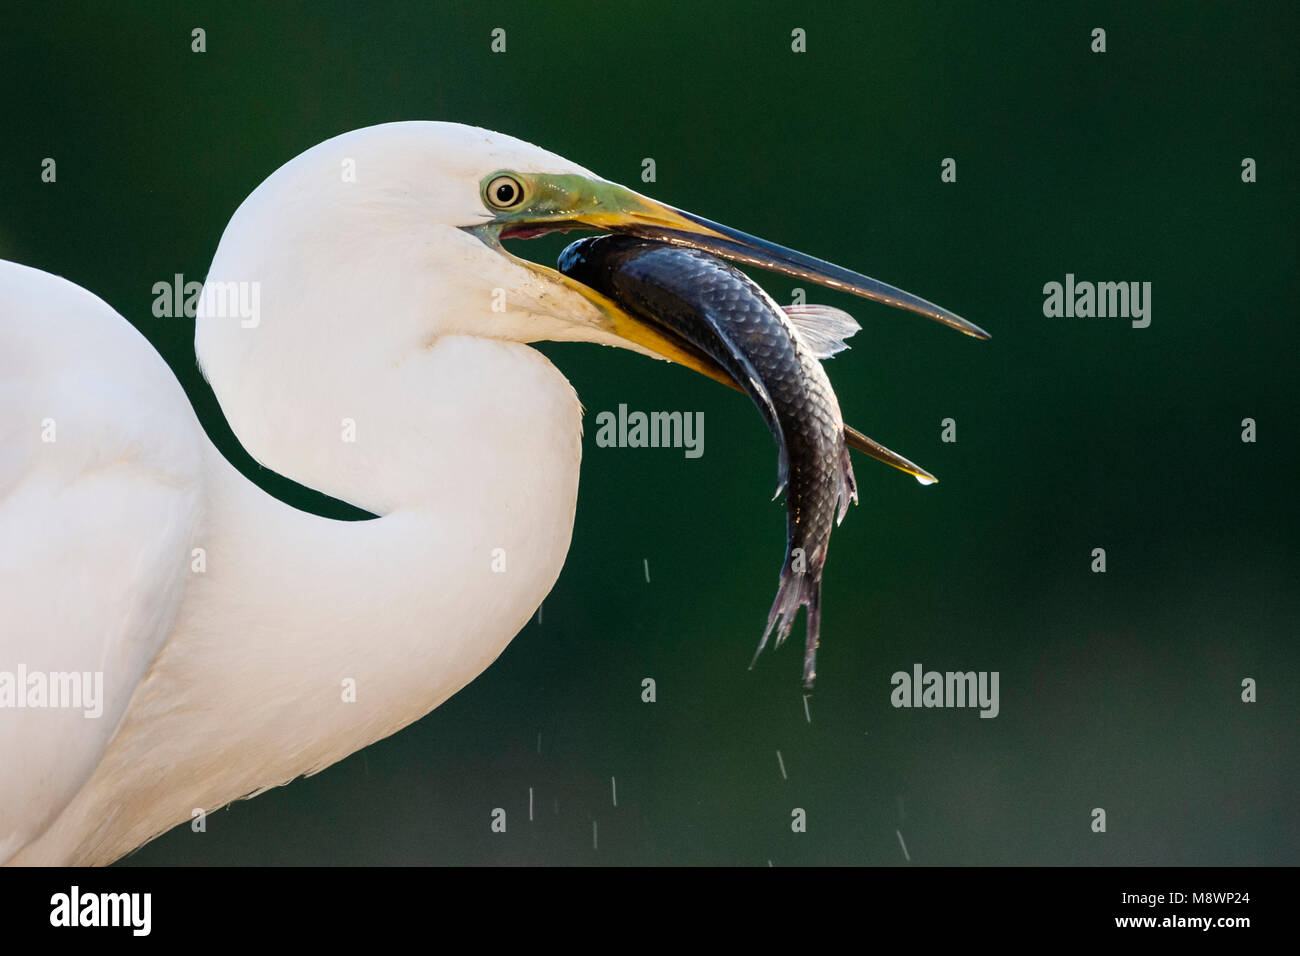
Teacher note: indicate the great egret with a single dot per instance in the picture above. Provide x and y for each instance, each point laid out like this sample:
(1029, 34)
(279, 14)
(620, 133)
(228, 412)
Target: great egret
(226, 625)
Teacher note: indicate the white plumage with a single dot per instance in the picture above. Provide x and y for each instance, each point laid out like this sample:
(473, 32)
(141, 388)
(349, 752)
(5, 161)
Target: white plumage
(374, 307)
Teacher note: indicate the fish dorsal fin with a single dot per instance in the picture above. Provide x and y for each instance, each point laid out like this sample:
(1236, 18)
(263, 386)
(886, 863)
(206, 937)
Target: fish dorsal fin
(822, 327)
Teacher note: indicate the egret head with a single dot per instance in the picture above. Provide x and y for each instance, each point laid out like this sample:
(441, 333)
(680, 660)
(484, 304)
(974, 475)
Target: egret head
(403, 223)
(525, 204)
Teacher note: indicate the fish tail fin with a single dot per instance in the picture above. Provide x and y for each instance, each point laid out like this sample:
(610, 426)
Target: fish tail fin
(796, 589)
(846, 485)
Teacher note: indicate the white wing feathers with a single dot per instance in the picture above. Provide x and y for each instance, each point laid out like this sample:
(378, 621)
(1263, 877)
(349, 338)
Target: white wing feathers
(99, 498)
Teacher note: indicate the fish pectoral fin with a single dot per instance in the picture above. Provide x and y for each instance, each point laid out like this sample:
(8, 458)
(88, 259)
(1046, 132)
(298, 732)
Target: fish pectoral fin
(860, 442)
(822, 327)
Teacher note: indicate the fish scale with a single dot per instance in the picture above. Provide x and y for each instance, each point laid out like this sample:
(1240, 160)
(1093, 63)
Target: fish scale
(727, 316)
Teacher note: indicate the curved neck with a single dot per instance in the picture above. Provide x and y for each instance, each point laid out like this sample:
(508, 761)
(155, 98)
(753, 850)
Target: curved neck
(303, 639)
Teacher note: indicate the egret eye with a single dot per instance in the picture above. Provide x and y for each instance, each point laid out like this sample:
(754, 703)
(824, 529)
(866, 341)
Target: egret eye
(503, 192)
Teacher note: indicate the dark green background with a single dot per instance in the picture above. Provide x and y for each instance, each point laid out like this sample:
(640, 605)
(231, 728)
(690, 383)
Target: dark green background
(1118, 690)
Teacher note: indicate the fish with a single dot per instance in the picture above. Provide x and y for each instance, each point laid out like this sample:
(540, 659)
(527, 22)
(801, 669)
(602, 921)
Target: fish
(774, 354)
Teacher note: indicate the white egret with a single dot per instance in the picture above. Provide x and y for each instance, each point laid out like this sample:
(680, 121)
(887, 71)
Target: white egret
(227, 626)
